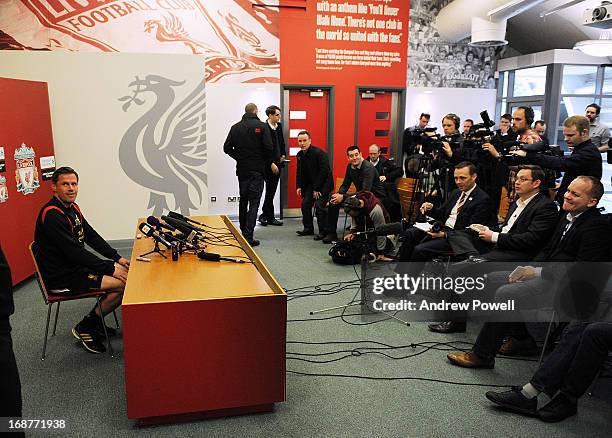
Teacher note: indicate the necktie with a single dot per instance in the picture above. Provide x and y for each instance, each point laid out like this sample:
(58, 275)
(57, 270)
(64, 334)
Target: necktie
(461, 202)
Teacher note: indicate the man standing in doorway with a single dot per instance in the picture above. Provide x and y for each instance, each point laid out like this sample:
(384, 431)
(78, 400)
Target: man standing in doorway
(270, 178)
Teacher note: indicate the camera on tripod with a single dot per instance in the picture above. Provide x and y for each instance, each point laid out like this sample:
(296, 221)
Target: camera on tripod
(480, 133)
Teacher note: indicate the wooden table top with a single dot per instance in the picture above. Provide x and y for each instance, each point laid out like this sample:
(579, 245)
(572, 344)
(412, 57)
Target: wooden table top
(188, 279)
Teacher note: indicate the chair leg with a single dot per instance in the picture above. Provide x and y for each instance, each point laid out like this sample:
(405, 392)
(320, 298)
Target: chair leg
(550, 324)
(44, 353)
(116, 320)
(56, 314)
(108, 343)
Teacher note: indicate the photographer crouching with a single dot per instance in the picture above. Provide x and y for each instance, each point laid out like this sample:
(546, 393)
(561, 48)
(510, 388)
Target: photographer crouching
(367, 213)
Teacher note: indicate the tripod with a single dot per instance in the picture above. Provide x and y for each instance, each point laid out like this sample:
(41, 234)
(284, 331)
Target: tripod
(155, 249)
(363, 296)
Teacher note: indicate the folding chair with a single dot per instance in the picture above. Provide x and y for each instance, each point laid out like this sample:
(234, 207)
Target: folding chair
(51, 299)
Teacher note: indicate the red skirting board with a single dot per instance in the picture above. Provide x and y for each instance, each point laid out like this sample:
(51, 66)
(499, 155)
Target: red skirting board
(25, 138)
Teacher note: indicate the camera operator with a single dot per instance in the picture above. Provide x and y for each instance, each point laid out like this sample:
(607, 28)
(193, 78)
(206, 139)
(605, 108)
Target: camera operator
(450, 154)
(467, 126)
(410, 144)
(367, 213)
(585, 158)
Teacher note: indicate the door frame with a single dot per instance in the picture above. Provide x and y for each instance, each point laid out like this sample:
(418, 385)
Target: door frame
(395, 147)
(284, 99)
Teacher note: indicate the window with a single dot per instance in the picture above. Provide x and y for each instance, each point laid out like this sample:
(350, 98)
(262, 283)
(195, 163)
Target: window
(605, 116)
(573, 106)
(530, 81)
(579, 79)
(607, 83)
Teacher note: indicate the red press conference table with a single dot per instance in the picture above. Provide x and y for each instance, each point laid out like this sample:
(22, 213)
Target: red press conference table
(200, 337)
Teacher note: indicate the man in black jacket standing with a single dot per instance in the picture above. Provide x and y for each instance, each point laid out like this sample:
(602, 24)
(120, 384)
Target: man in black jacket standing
(67, 267)
(270, 177)
(10, 385)
(314, 183)
(581, 235)
(585, 158)
(249, 143)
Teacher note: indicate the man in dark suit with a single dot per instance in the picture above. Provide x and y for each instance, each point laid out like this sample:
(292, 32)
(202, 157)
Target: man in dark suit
(529, 224)
(270, 178)
(388, 173)
(585, 158)
(581, 235)
(467, 205)
(314, 183)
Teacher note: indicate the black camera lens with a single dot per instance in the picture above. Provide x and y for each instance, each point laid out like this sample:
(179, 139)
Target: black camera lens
(600, 13)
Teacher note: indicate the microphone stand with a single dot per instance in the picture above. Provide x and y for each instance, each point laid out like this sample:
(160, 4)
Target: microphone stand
(155, 249)
(363, 301)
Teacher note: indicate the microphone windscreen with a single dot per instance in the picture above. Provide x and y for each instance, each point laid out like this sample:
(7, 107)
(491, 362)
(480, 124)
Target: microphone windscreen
(146, 229)
(209, 256)
(152, 220)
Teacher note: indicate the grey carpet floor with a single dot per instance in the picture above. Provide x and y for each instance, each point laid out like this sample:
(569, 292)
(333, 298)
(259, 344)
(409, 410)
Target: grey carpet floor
(88, 390)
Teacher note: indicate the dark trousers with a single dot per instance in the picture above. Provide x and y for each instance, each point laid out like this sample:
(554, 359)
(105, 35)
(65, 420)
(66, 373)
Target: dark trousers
(525, 295)
(308, 201)
(574, 363)
(271, 182)
(466, 243)
(10, 385)
(251, 187)
(417, 246)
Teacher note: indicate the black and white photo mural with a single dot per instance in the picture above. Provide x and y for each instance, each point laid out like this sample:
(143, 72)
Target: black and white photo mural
(433, 62)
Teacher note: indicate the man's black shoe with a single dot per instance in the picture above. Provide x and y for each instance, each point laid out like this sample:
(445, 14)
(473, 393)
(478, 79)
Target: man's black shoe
(320, 236)
(275, 222)
(514, 401)
(88, 337)
(254, 242)
(305, 232)
(448, 327)
(558, 409)
(330, 238)
(263, 221)
(516, 347)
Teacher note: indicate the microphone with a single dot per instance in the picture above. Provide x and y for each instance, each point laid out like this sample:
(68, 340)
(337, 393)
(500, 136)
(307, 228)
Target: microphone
(386, 229)
(182, 226)
(172, 238)
(175, 215)
(212, 257)
(152, 220)
(149, 231)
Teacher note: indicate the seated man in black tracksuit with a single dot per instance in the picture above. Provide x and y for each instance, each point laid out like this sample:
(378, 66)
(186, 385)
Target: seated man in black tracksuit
(467, 205)
(67, 267)
(365, 177)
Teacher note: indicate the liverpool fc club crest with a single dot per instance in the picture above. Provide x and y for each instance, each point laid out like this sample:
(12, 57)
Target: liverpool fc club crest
(26, 174)
(3, 190)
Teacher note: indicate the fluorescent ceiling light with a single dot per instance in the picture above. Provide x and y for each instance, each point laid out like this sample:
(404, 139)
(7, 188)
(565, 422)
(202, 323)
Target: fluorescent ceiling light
(595, 47)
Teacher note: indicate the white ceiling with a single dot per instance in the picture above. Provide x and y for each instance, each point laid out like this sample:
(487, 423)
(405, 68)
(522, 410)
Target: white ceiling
(528, 33)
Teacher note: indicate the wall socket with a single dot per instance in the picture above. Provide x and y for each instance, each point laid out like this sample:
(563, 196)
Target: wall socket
(213, 199)
(231, 199)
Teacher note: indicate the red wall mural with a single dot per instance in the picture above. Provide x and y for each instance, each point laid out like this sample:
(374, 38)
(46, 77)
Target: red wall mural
(346, 44)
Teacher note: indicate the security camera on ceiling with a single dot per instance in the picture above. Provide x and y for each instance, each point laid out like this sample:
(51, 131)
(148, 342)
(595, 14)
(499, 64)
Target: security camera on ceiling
(600, 17)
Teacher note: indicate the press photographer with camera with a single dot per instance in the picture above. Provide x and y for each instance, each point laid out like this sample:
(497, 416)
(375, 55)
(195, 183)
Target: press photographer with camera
(367, 213)
(410, 145)
(585, 158)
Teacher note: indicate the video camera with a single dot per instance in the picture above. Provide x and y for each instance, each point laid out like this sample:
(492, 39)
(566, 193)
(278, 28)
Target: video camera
(431, 142)
(480, 133)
